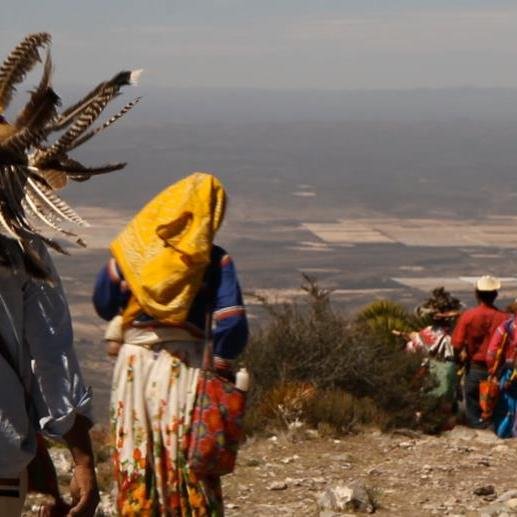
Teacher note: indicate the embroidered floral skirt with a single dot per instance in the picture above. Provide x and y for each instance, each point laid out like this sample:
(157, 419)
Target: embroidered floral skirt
(152, 399)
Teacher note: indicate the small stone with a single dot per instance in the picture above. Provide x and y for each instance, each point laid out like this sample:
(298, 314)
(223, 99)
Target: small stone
(277, 485)
(294, 481)
(354, 497)
(312, 433)
(345, 457)
(510, 494)
(484, 490)
(406, 445)
(501, 448)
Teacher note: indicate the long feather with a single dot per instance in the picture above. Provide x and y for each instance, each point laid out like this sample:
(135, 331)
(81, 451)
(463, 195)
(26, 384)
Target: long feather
(53, 178)
(55, 203)
(11, 181)
(38, 213)
(31, 109)
(83, 122)
(118, 81)
(95, 171)
(28, 182)
(128, 107)
(32, 206)
(18, 63)
(7, 227)
(34, 132)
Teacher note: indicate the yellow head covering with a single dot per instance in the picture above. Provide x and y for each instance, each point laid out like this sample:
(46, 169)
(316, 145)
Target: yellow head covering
(164, 251)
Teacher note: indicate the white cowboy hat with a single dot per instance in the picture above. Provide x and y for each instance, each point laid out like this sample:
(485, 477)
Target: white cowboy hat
(488, 283)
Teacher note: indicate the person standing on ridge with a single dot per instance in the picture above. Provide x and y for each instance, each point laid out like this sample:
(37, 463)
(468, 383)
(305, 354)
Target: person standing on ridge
(167, 280)
(43, 393)
(470, 340)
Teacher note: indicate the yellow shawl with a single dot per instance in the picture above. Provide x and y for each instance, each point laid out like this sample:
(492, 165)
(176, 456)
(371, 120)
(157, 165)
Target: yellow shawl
(164, 251)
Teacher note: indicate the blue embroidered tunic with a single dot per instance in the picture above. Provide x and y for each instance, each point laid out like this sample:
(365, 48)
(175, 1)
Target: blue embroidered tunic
(220, 294)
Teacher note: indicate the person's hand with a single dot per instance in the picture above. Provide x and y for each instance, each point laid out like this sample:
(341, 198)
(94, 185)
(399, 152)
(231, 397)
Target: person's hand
(84, 491)
(56, 509)
(113, 348)
(400, 333)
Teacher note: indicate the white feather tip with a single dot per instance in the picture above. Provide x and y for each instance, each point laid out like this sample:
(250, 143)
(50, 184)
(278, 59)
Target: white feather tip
(135, 76)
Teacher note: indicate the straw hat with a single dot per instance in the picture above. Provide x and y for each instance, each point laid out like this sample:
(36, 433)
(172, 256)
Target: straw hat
(488, 283)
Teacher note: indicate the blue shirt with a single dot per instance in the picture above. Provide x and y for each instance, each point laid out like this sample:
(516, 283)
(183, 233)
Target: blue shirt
(36, 334)
(220, 294)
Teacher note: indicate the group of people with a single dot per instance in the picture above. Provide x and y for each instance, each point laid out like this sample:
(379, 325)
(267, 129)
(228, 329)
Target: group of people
(175, 312)
(469, 348)
(166, 289)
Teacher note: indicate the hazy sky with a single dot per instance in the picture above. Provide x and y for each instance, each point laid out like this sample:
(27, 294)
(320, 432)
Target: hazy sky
(322, 44)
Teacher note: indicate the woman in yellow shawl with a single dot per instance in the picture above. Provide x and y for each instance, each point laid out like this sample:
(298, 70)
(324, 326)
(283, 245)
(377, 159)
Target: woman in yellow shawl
(164, 278)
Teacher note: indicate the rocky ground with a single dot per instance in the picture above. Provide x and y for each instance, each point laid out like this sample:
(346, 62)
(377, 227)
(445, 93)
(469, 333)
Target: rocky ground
(462, 472)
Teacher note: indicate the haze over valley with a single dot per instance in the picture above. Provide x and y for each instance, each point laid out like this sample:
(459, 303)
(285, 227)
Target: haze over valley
(376, 194)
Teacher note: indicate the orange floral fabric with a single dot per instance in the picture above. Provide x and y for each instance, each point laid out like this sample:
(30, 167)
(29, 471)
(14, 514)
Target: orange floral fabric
(151, 412)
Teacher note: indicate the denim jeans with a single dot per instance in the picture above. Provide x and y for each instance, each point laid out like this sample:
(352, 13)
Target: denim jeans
(474, 376)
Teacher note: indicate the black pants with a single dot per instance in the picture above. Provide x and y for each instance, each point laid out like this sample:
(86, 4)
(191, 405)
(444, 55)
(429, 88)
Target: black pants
(475, 375)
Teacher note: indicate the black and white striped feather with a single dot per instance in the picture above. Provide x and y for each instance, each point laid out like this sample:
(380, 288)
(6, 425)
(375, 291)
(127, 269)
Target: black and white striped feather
(18, 63)
(31, 168)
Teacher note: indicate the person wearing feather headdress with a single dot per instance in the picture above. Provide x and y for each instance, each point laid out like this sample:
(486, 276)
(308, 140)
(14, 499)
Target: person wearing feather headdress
(165, 276)
(44, 391)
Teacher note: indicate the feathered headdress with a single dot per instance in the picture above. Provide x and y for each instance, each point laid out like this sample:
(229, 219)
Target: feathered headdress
(31, 167)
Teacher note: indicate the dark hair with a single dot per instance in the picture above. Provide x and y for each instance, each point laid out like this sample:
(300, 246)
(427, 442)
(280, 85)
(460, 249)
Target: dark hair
(440, 301)
(487, 297)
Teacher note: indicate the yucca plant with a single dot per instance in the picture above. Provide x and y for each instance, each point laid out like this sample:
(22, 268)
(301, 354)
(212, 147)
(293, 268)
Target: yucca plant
(382, 317)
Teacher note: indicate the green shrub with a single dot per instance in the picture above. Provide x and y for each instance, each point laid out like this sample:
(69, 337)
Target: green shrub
(311, 344)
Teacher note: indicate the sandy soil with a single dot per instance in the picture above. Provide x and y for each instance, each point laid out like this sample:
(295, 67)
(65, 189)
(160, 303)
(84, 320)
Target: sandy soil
(407, 474)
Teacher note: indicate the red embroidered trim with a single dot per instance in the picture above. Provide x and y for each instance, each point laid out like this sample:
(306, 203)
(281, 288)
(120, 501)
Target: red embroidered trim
(228, 312)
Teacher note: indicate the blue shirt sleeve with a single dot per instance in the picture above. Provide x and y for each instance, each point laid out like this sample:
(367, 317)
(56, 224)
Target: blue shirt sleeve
(231, 325)
(108, 296)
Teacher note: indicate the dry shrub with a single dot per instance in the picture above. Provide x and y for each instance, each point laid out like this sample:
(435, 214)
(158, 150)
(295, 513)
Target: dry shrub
(342, 412)
(294, 402)
(286, 403)
(311, 344)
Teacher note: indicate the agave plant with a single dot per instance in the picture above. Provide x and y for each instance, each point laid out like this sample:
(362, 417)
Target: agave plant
(382, 317)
